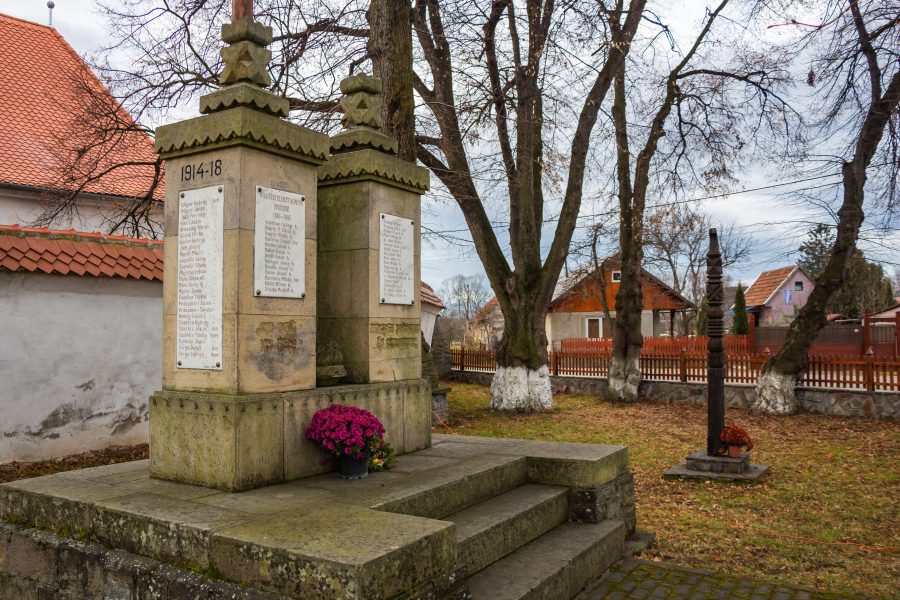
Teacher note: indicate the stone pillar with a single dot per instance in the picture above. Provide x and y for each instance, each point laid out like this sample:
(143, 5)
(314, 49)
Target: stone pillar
(240, 275)
(369, 293)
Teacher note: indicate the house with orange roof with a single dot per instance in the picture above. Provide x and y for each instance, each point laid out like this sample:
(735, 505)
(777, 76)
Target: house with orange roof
(56, 139)
(775, 296)
(576, 310)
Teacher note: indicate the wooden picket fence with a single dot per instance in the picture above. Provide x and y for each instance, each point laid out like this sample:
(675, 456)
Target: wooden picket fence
(832, 372)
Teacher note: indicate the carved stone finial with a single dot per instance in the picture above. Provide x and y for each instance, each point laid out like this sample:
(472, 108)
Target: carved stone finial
(361, 102)
(362, 122)
(246, 57)
(245, 75)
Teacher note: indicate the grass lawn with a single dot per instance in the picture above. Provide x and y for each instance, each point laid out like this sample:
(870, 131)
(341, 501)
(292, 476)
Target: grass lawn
(826, 516)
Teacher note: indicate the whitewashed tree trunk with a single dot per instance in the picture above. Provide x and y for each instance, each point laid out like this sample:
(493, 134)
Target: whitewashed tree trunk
(520, 389)
(776, 394)
(624, 378)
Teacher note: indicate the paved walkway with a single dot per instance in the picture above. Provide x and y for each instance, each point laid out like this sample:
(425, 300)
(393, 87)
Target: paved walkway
(641, 579)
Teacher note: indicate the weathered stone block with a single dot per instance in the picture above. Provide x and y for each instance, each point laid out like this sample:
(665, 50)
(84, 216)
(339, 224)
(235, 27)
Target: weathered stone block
(220, 441)
(613, 500)
(80, 568)
(306, 556)
(400, 406)
(32, 555)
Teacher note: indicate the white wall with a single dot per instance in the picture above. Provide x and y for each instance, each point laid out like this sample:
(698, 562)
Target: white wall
(429, 317)
(562, 326)
(79, 359)
(22, 207)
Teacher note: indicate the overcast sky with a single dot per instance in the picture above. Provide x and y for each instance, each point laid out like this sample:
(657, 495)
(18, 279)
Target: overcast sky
(777, 230)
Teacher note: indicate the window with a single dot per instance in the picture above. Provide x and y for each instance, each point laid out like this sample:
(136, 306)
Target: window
(593, 328)
(617, 276)
(798, 286)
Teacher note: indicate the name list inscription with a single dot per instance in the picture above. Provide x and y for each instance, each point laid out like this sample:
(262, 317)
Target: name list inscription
(396, 261)
(279, 244)
(199, 305)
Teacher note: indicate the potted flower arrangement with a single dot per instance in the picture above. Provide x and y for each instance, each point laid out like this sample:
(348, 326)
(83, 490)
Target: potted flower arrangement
(349, 434)
(735, 438)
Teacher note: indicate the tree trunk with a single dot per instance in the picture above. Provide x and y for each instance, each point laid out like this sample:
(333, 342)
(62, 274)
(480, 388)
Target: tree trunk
(522, 380)
(775, 389)
(625, 365)
(390, 48)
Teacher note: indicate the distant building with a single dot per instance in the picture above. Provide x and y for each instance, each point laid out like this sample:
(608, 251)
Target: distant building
(432, 306)
(576, 310)
(777, 295)
(888, 313)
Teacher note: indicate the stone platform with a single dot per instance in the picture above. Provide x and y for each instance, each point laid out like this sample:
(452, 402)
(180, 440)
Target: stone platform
(469, 517)
(700, 465)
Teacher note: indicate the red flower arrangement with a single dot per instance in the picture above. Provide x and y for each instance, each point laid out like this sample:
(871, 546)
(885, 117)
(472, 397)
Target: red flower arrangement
(732, 435)
(346, 430)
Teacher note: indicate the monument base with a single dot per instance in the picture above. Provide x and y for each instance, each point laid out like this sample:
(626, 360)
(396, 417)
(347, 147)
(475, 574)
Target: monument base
(469, 517)
(700, 465)
(233, 443)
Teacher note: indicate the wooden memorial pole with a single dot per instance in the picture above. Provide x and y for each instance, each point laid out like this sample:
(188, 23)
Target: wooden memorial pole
(716, 356)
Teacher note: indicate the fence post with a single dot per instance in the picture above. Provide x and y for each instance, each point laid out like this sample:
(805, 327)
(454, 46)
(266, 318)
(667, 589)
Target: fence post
(682, 365)
(867, 333)
(870, 370)
(554, 363)
(462, 358)
(896, 335)
(751, 334)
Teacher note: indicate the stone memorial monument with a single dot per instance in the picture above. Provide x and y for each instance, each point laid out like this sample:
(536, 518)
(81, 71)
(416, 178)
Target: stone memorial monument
(711, 463)
(242, 282)
(281, 241)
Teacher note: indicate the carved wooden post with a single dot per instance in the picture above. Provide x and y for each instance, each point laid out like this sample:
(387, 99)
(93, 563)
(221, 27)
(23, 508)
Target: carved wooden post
(715, 376)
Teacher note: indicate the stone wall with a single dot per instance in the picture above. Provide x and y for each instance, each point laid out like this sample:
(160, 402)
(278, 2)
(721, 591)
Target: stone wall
(36, 564)
(80, 359)
(845, 403)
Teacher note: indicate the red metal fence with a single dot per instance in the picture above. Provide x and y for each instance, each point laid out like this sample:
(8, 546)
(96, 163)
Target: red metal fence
(836, 372)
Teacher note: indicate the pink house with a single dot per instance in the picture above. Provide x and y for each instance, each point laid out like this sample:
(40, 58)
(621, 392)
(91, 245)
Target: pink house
(777, 295)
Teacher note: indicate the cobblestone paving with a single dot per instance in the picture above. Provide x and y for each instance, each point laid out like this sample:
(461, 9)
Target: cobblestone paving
(641, 579)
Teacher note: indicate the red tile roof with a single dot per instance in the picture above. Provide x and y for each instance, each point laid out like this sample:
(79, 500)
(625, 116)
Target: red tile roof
(69, 252)
(41, 91)
(767, 284)
(427, 295)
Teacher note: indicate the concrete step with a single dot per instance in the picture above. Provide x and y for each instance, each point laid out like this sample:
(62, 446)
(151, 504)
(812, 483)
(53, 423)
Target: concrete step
(494, 528)
(555, 566)
(437, 492)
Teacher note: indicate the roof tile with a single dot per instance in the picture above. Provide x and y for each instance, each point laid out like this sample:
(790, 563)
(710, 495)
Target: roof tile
(766, 284)
(43, 81)
(64, 252)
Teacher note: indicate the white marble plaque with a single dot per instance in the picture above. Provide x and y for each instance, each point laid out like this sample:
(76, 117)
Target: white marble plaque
(199, 306)
(279, 244)
(396, 260)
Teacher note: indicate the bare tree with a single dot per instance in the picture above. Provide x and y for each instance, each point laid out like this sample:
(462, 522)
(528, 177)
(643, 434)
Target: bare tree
(465, 295)
(703, 110)
(472, 88)
(675, 243)
(102, 148)
(857, 75)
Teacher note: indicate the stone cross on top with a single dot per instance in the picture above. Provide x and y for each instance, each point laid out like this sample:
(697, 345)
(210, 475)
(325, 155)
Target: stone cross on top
(246, 57)
(241, 9)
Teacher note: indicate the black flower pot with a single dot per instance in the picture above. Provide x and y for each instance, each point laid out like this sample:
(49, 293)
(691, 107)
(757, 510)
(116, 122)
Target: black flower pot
(352, 468)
